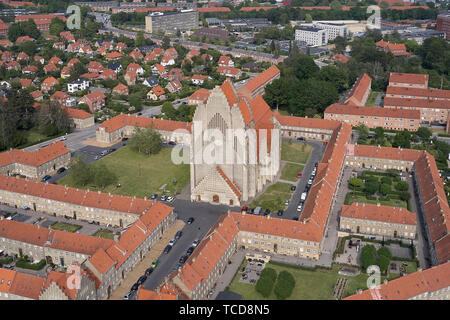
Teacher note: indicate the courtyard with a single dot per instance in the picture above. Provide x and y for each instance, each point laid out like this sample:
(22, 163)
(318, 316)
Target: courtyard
(140, 175)
(274, 197)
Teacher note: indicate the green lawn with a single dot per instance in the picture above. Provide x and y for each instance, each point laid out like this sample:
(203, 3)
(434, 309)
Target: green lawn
(372, 97)
(309, 285)
(362, 199)
(273, 198)
(290, 171)
(104, 234)
(140, 175)
(295, 152)
(284, 112)
(65, 227)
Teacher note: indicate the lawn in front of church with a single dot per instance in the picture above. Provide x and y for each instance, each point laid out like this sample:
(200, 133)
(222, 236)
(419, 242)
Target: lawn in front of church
(274, 197)
(297, 152)
(141, 175)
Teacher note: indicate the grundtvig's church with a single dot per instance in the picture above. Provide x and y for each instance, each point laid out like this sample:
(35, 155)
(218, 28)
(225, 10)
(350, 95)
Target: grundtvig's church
(235, 147)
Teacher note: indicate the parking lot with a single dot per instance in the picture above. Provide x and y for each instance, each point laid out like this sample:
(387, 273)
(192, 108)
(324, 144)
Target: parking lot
(251, 273)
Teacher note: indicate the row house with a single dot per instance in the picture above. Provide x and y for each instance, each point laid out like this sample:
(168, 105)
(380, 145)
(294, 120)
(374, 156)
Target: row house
(376, 220)
(16, 285)
(255, 87)
(83, 205)
(360, 91)
(373, 117)
(37, 164)
(408, 80)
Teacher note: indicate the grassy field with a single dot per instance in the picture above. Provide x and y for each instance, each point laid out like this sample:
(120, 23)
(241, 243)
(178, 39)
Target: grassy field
(104, 234)
(290, 171)
(65, 227)
(273, 198)
(140, 175)
(362, 199)
(372, 97)
(309, 285)
(295, 152)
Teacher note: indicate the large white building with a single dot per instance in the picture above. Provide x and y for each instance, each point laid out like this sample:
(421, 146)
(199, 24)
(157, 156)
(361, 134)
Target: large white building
(334, 29)
(312, 36)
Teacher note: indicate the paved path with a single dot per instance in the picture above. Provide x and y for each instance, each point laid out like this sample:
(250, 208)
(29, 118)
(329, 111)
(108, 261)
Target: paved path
(140, 268)
(229, 273)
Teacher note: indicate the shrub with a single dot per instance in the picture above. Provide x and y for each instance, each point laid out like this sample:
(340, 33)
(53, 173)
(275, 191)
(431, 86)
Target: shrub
(23, 263)
(386, 180)
(402, 186)
(370, 187)
(266, 281)
(385, 188)
(405, 196)
(285, 285)
(356, 182)
(383, 263)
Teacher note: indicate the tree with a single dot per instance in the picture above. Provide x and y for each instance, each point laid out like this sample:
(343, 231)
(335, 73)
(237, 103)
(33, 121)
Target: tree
(53, 120)
(384, 251)
(146, 141)
(402, 139)
(308, 18)
(8, 127)
(165, 42)
(370, 187)
(80, 171)
(335, 75)
(285, 285)
(266, 281)
(335, 5)
(140, 39)
(383, 263)
(103, 176)
(424, 133)
(368, 256)
(168, 109)
(402, 186)
(356, 182)
(405, 195)
(57, 26)
(379, 133)
(384, 5)
(385, 189)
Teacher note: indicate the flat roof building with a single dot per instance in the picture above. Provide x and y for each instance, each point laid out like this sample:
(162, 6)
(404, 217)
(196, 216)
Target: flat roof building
(171, 22)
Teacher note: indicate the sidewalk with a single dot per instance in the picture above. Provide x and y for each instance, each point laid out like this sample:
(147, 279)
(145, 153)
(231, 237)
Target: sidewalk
(140, 268)
(228, 275)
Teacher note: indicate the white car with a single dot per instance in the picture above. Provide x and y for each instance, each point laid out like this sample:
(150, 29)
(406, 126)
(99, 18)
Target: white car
(170, 199)
(172, 242)
(299, 208)
(286, 203)
(195, 243)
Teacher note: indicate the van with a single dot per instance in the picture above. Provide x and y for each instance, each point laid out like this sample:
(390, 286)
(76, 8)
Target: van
(257, 210)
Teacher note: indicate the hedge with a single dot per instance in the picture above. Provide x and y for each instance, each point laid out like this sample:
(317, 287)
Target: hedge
(22, 263)
(7, 260)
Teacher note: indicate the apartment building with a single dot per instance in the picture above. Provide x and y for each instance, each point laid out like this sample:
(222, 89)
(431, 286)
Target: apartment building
(123, 125)
(84, 205)
(307, 128)
(417, 93)
(312, 36)
(15, 285)
(431, 111)
(408, 80)
(77, 85)
(255, 87)
(377, 220)
(392, 119)
(360, 91)
(37, 164)
(170, 22)
(443, 23)
(429, 284)
(334, 29)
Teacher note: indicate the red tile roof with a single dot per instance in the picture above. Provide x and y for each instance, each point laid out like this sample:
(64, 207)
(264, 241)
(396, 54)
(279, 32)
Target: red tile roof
(416, 103)
(372, 111)
(359, 89)
(373, 212)
(418, 92)
(261, 80)
(291, 121)
(36, 158)
(123, 120)
(409, 78)
(77, 113)
(409, 286)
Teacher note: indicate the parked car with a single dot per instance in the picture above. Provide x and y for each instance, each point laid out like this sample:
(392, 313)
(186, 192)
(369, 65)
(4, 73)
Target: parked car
(148, 271)
(61, 170)
(97, 157)
(167, 248)
(182, 259)
(280, 212)
(301, 139)
(178, 234)
(172, 143)
(134, 287)
(267, 212)
(177, 266)
(163, 197)
(155, 263)
(47, 177)
(299, 208)
(8, 266)
(154, 196)
(172, 242)
(104, 152)
(139, 113)
(190, 220)
(190, 250)
(127, 296)
(251, 210)
(303, 196)
(257, 210)
(293, 188)
(299, 175)
(295, 218)
(195, 243)
(286, 203)
(244, 208)
(142, 279)
(170, 199)
(124, 139)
